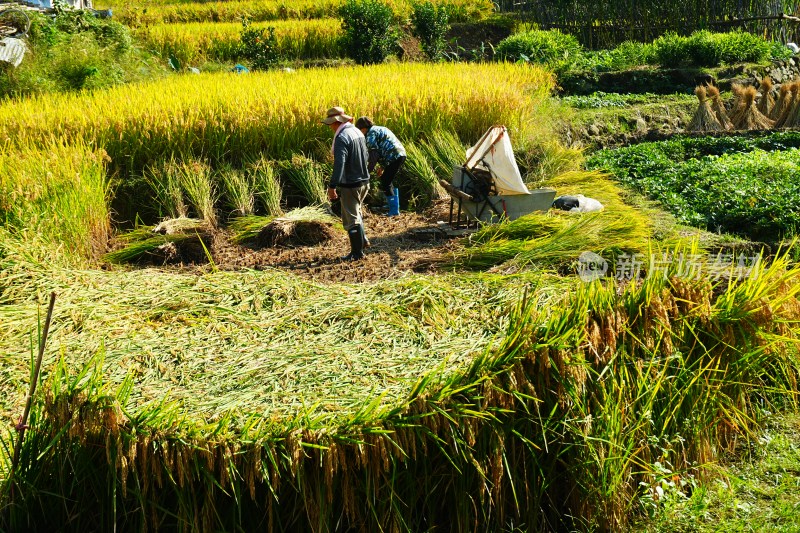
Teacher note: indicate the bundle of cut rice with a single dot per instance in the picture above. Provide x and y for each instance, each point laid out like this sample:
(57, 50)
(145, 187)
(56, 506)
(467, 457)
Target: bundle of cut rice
(737, 104)
(786, 95)
(767, 101)
(718, 107)
(747, 116)
(704, 118)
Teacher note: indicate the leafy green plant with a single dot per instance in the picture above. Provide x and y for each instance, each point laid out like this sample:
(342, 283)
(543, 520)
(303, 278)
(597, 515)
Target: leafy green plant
(551, 48)
(430, 26)
(626, 55)
(369, 34)
(259, 46)
(73, 51)
(730, 185)
(704, 48)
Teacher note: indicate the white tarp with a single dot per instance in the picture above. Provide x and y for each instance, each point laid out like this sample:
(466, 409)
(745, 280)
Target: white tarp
(494, 153)
(12, 50)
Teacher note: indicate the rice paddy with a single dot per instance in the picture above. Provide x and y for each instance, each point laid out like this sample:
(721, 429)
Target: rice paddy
(498, 391)
(219, 41)
(140, 13)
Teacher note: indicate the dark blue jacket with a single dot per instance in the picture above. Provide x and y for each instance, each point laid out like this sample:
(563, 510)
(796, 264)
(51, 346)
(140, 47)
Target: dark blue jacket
(350, 158)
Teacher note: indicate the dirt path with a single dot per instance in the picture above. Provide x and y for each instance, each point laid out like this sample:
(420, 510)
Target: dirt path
(406, 243)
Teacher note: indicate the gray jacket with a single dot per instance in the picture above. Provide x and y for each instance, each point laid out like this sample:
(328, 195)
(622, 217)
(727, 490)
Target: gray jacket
(350, 158)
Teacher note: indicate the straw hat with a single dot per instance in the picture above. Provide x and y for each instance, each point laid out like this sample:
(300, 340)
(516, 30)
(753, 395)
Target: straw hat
(336, 114)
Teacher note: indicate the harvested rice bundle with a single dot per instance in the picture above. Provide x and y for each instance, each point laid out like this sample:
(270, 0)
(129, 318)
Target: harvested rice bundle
(300, 227)
(179, 240)
(704, 118)
(767, 101)
(747, 116)
(787, 97)
(718, 107)
(737, 104)
(781, 110)
(793, 114)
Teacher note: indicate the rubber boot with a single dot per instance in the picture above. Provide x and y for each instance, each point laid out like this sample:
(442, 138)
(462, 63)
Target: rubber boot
(356, 236)
(393, 202)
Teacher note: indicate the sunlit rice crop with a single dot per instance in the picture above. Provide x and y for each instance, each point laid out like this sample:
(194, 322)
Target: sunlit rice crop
(227, 116)
(219, 41)
(144, 12)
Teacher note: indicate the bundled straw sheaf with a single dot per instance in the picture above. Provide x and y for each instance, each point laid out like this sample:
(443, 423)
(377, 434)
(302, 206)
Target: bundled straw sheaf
(718, 107)
(746, 115)
(766, 102)
(784, 103)
(704, 118)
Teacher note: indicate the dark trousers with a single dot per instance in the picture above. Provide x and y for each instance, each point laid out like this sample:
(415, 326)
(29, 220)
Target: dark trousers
(389, 174)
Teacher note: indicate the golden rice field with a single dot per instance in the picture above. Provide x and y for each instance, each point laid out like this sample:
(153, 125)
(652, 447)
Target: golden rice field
(226, 116)
(219, 41)
(196, 399)
(137, 13)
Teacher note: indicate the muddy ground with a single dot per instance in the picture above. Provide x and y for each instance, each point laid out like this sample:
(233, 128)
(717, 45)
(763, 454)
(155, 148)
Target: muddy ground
(409, 242)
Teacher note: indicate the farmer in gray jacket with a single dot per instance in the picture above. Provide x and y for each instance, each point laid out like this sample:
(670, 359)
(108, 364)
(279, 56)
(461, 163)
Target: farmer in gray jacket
(350, 176)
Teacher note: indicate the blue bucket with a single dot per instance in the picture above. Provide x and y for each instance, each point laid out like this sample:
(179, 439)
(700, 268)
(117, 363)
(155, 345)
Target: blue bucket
(394, 203)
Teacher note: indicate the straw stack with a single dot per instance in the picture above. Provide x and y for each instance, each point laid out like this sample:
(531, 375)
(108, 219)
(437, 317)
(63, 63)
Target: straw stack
(718, 107)
(704, 118)
(747, 116)
(737, 104)
(784, 104)
(767, 101)
(790, 117)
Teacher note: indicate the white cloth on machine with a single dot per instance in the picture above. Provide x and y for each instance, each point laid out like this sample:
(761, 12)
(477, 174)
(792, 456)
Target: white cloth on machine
(494, 154)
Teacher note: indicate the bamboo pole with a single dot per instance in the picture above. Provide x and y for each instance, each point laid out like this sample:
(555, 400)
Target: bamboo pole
(22, 424)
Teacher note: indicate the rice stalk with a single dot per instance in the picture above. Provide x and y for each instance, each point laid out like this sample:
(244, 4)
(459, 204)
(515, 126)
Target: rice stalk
(443, 150)
(247, 228)
(791, 118)
(198, 186)
(587, 383)
(308, 177)
(737, 107)
(164, 180)
(266, 185)
(239, 190)
(139, 248)
(417, 179)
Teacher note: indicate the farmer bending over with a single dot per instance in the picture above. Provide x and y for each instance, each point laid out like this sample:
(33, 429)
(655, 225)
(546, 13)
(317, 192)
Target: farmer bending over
(384, 148)
(350, 175)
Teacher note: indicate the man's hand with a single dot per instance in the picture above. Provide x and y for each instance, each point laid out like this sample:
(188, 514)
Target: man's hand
(332, 194)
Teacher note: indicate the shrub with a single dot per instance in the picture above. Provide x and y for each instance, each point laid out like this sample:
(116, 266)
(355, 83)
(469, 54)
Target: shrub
(626, 55)
(741, 46)
(430, 26)
(259, 46)
(671, 49)
(369, 35)
(72, 51)
(551, 48)
(703, 48)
